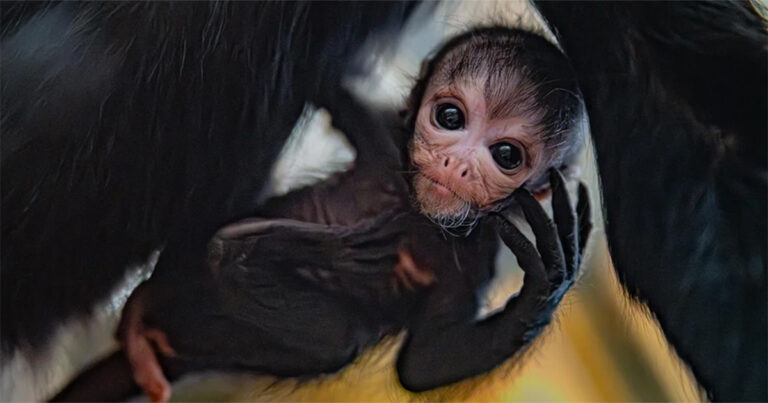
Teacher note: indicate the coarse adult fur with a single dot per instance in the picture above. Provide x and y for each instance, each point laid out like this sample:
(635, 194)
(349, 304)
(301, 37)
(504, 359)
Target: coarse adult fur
(128, 126)
(676, 94)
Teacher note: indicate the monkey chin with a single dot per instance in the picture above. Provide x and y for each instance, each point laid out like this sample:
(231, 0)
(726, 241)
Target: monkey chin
(441, 204)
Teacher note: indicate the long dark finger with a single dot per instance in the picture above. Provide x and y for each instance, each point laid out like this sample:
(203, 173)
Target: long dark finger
(565, 220)
(373, 259)
(352, 284)
(257, 226)
(584, 211)
(372, 253)
(381, 238)
(526, 254)
(386, 229)
(545, 231)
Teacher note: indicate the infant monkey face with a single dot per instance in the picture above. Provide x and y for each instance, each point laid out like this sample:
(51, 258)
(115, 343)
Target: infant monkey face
(469, 159)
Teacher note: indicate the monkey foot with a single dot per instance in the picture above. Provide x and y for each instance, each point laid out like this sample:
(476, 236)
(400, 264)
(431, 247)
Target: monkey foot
(140, 348)
(408, 274)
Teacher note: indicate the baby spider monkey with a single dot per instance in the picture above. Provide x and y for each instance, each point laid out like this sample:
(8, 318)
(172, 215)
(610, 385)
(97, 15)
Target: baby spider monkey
(321, 273)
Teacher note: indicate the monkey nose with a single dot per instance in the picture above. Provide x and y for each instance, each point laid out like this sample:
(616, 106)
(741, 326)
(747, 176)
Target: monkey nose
(456, 168)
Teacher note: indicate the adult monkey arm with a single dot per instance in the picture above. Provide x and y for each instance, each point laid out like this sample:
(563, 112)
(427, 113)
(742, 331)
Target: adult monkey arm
(676, 98)
(129, 125)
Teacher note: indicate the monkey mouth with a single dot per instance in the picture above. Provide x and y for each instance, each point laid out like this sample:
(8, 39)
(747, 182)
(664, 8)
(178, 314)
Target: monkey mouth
(442, 189)
(440, 203)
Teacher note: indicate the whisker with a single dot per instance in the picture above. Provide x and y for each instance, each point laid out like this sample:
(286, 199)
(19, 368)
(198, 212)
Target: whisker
(459, 224)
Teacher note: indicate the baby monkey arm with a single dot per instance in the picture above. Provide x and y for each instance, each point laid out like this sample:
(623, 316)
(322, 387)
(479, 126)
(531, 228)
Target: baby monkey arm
(446, 343)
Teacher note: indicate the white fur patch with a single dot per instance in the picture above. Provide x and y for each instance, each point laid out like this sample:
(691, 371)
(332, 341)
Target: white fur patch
(314, 151)
(36, 376)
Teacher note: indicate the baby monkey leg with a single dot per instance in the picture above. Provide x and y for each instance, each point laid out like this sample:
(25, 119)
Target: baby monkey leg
(360, 262)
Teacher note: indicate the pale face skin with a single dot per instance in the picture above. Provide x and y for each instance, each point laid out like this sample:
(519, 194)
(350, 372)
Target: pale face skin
(456, 167)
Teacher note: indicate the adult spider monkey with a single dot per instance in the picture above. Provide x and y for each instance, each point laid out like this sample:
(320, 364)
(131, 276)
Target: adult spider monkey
(676, 95)
(324, 272)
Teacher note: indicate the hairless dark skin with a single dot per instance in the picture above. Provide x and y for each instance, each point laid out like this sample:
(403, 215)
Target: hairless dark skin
(321, 273)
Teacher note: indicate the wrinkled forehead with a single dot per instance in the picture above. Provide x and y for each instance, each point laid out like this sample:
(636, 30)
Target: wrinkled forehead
(493, 72)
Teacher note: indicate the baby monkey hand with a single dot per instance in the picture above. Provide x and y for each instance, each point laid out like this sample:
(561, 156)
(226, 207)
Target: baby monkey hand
(552, 266)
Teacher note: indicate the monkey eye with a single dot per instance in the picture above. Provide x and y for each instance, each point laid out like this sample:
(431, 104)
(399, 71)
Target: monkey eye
(449, 117)
(506, 155)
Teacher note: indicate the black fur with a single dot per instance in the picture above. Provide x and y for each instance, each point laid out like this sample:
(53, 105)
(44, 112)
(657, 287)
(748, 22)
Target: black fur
(311, 279)
(676, 93)
(127, 126)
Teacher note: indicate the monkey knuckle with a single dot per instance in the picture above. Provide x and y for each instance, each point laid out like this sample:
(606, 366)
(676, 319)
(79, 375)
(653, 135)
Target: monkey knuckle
(555, 284)
(549, 226)
(501, 225)
(540, 286)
